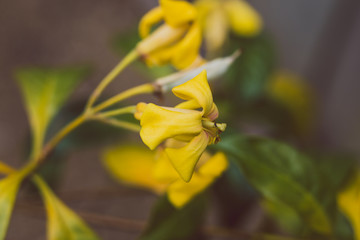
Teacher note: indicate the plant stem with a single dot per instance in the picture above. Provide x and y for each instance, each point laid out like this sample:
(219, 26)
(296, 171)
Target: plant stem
(117, 123)
(59, 136)
(141, 89)
(129, 58)
(129, 109)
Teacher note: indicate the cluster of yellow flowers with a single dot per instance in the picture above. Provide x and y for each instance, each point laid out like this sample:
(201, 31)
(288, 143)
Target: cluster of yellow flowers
(180, 165)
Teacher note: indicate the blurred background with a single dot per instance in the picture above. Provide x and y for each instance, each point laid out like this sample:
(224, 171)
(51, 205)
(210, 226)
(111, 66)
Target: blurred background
(317, 40)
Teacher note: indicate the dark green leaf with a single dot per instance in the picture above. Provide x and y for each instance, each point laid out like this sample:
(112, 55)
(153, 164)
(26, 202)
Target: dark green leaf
(283, 176)
(249, 73)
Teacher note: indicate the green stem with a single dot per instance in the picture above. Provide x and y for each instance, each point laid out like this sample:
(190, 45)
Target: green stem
(132, 56)
(141, 89)
(59, 136)
(117, 123)
(129, 109)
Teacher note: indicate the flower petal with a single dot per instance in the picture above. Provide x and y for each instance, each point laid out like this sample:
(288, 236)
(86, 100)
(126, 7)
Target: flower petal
(177, 13)
(244, 20)
(215, 30)
(180, 193)
(186, 51)
(152, 17)
(160, 123)
(184, 159)
(163, 170)
(214, 166)
(132, 165)
(163, 37)
(196, 89)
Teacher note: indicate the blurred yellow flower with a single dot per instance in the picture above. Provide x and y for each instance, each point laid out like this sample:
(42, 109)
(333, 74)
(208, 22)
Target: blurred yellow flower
(349, 200)
(138, 166)
(218, 16)
(188, 130)
(176, 41)
(296, 96)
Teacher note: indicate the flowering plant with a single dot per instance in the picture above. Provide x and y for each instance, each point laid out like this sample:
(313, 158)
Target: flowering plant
(225, 148)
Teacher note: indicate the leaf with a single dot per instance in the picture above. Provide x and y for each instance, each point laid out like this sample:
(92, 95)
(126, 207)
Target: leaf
(45, 91)
(63, 223)
(9, 187)
(234, 197)
(247, 78)
(5, 169)
(348, 200)
(169, 223)
(283, 176)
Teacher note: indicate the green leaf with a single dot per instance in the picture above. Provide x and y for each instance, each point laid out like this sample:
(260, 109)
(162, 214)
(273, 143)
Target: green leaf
(63, 223)
(9, 187)
(45, 91)
(248, 76)
(284, 177)
(169, 223)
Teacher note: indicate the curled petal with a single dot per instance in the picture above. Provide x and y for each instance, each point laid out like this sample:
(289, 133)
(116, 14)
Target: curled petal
(180, 193)
(154, 16)
(190, 104)
(196, 89)
(184, 159)
(160, 123)
(244, 20)
(213, 113)
(177, 13)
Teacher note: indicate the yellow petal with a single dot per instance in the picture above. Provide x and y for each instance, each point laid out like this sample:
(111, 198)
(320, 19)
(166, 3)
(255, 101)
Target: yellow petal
(180, 192)
(154, 16)
(349, 200)
(163, 170)
(244, 20)
(190, 104)
(140, 107)
(162, 38)
(133, 165)
(177, 13)
(215, 29)
(186, 51)
(196, 89)
(160, 123)
(184, 159)
(214, 166)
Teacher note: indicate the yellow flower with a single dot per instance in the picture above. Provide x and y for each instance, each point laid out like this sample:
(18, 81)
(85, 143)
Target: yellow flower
(348, 200)
(218, 16)
(188, 130)
(176, 41)
(138, 166)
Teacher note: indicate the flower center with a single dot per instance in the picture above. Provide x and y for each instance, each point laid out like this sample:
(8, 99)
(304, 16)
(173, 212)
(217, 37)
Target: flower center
(213, 130)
